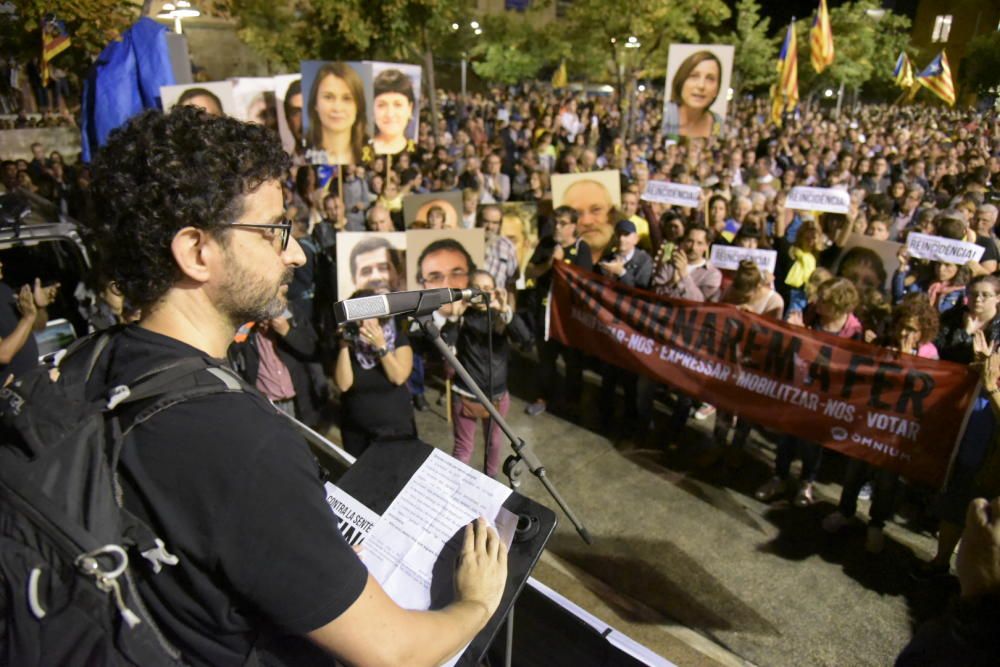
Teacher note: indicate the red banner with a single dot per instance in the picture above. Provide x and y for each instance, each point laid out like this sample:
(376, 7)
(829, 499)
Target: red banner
(894, 411)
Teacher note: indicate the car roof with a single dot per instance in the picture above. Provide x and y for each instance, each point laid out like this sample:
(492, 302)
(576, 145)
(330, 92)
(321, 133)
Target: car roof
(44, 222)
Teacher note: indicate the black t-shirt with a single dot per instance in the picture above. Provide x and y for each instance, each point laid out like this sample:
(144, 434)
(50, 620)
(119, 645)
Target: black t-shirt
(235, 494)
(27, 357)
(373, 403)
(577, 254)
(990, 248)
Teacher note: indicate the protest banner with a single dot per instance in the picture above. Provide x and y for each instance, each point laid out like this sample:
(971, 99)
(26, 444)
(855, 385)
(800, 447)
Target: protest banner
(729, 257)
(895, 411)
(826, 200)
(675, 194)
(940, 249)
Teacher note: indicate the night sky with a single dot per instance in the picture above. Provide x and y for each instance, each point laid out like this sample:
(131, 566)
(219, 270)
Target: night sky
(782, 11)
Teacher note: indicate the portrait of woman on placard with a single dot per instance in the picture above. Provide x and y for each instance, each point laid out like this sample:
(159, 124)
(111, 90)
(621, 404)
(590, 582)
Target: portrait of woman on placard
(337, 116)
(393, 104)
(203, 98)
(695, 87)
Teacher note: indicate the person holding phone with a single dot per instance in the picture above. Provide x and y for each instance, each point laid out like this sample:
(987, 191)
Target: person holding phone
(485, 331)
(373, 362)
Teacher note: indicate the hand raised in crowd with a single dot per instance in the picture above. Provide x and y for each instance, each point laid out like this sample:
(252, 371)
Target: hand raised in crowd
(481, 571)
(372, 333)
(44, 295)
(990, 371)
(281, 325)
(981, 350)
(978, 564)
(679, 261)
(26, 303)
(498, 300)
(903, 257)
(615, 267)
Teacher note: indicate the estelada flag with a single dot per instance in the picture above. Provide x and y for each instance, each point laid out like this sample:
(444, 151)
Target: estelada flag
(560, 78)
(55, 40)
(936, 77)
(786, 92)
(903, 72)
(821, 40)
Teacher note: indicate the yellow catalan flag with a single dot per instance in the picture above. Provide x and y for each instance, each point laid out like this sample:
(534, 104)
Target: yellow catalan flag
(821, 39)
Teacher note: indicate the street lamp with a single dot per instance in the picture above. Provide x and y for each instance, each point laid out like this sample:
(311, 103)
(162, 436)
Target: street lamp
(178, 11)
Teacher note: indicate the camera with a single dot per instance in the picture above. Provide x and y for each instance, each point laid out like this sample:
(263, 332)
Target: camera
(350, 332)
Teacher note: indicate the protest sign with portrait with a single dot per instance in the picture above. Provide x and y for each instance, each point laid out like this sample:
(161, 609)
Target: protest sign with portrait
(288, 105)
(443, 257)
(334, 116)
(697, 84)
(433, 210)
(370, 260)
(215, 97)
(595, 195)
(393, 91)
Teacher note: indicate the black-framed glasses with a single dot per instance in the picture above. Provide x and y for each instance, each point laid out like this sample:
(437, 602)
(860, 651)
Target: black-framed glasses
(284, 227)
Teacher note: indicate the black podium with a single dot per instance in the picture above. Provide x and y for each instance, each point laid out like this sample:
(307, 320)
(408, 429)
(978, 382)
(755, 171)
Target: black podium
(382, 472)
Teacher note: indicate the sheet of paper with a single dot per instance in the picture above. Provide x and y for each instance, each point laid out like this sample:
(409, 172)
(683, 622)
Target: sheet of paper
(412, 550)
(356, 520)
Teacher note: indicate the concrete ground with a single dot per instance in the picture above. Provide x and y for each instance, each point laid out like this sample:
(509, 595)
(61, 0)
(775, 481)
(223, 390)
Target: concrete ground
(688, 563)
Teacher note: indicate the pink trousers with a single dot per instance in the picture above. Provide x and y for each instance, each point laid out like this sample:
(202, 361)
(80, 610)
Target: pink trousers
(465, 434)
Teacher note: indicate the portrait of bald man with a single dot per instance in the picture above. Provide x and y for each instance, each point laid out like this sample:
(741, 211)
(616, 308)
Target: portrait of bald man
(594, 196)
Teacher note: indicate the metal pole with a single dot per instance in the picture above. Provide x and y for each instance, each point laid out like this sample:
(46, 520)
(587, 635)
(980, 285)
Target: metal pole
(465, 65)
(840, 99)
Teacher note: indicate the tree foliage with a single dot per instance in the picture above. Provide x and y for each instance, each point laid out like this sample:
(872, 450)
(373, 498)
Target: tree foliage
(866, 46)
(980, 70)
(591, 25)
(756, 52)
(514, 48)
(91, 24)
(289, 32)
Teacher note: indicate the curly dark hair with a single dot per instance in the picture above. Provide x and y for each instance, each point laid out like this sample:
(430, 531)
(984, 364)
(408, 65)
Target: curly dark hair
(918, 306)
(160, 173)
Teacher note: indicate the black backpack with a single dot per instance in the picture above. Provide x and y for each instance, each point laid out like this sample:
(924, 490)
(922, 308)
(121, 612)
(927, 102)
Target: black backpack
(69, 550)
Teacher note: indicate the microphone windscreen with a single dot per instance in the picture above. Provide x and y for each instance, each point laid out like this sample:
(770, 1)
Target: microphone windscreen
(363, 308)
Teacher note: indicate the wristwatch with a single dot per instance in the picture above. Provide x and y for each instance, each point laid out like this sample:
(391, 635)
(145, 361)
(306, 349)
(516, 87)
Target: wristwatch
(382, 351)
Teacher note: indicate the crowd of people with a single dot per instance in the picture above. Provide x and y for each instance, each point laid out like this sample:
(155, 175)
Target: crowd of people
(907, 169)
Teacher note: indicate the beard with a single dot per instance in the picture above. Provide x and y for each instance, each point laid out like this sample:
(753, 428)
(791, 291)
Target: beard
(246, 296)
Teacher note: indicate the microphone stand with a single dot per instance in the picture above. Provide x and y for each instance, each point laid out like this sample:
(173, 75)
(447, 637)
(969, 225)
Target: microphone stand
(523, 454)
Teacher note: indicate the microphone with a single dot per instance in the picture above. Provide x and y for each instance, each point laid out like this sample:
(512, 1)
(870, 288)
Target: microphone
(418, 302)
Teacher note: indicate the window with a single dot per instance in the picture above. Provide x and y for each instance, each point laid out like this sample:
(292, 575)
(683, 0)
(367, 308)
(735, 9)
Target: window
(942, 28)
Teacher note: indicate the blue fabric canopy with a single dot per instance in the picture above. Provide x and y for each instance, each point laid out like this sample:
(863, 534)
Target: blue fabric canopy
(125, 80)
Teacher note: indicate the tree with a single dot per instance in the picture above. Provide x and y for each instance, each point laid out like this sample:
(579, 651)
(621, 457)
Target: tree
(599, 34)
(867, 40)
(514, 48)
(980, 69)
(756, 53)
(91, 24)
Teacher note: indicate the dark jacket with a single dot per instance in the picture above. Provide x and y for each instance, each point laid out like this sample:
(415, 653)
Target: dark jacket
(295, 350)
(953, 342)
(472, 349)
(638, 269)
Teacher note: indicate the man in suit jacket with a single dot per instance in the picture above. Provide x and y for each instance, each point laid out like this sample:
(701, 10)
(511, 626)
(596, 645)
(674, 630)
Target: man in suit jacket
(629, 265)
(626, 262)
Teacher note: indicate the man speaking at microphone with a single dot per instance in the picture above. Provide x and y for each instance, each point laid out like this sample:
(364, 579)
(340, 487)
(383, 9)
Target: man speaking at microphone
(191, 225)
